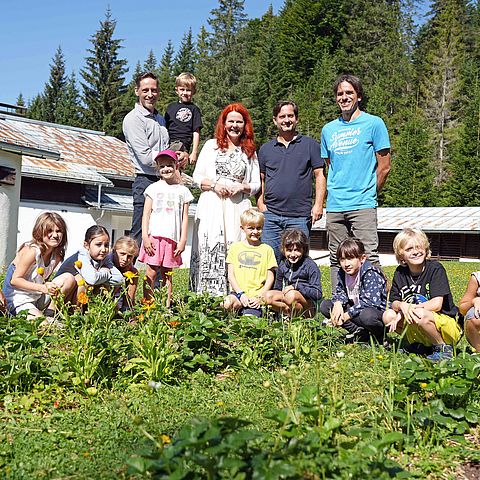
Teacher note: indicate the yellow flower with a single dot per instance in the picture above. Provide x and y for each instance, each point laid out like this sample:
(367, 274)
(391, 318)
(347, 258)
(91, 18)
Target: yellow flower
(82, 298)
(40, 270)
(170, 273)
(78, 264)
(165, 438)
(129, 275)
(423, 385)
(80, 282)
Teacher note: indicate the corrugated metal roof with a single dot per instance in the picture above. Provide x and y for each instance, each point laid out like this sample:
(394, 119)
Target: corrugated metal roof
(67, 172)
(110, 199)
(85, 148)
(429, 219)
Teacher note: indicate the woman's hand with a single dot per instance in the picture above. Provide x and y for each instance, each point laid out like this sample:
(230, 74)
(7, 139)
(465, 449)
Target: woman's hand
(222, 190)
(236, 188)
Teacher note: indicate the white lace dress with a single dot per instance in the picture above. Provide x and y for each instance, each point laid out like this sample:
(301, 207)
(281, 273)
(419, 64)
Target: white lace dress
(217, 220)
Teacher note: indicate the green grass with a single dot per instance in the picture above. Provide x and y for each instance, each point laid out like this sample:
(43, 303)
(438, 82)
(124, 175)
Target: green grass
(54, 430)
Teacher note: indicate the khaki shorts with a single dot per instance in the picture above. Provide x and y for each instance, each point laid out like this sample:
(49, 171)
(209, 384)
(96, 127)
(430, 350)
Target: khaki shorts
(447, 326)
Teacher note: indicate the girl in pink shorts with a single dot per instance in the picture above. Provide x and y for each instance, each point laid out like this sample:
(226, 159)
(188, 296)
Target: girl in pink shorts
(164, 224)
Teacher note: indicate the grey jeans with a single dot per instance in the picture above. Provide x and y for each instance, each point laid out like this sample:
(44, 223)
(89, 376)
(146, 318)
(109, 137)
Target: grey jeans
(361, 224)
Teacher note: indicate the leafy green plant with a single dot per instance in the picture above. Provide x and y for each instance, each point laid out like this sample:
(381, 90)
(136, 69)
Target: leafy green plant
(431, 397)
(155, 353)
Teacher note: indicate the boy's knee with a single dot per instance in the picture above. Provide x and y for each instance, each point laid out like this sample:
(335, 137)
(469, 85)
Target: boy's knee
(472, 324)
(229, 302)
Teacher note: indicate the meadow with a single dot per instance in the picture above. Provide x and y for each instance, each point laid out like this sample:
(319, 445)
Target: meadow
(195, 393)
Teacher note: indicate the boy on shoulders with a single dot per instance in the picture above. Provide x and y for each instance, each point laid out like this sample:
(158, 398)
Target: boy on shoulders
(183, 118)
(251, 265)
(420, 297)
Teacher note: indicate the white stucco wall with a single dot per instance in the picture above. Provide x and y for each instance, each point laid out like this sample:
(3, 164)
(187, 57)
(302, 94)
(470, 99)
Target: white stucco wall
(78, 219)
(9, 202)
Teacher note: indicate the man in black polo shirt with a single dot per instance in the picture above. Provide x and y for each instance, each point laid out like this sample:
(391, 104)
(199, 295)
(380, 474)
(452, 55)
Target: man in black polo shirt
(286, 166)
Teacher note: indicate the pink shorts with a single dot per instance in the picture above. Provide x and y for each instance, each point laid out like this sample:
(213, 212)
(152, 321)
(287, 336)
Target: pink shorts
(163, 256)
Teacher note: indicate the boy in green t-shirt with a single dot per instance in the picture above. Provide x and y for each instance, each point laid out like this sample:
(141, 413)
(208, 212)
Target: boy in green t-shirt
(251, 265)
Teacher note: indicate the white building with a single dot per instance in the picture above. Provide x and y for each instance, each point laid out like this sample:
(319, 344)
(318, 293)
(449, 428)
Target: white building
(84, 175)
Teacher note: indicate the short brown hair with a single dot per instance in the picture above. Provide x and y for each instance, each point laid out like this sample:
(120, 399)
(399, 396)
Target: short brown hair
(283, 103)
(297, 238)
(354, 81)
(143, 76)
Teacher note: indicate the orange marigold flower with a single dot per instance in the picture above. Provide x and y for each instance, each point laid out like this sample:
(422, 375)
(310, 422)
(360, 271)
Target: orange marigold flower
(173, 323)
(78, 264)
(82, 298)
(40, 270)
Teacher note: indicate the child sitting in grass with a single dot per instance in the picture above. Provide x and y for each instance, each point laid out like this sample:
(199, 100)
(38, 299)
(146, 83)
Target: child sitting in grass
(27, 286)
(298, 284)
(251, 265)
(360, 296)
(470, 308)
(123, 255)
(421, 303)
(91, 265)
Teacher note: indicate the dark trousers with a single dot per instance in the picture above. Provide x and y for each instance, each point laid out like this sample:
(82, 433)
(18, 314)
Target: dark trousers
(369, 318)
(140, 183)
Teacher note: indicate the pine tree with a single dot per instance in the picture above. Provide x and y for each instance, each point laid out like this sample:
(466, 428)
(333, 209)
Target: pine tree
(104, 78)
(462, 188)
(166, 79)
(36, 107)
(375, 47)
(306, 30)
(150, 64)
(221, 66)
(55, 87)
(186, 56)
(68, 111)
(439, 61)
(410, 183)
(20, 100)
(264, 65)
(21, 103)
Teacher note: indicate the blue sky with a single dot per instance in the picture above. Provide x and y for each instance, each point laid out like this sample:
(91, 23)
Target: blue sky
(31, 31)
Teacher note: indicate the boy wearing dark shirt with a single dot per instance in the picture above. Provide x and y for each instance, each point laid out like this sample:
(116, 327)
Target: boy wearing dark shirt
(420, 297)
(183, 118)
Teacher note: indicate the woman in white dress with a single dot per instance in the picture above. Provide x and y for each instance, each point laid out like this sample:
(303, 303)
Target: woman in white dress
(228, 174)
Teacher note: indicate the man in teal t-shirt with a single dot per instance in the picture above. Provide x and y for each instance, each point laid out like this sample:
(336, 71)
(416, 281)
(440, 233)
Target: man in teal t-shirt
(356, 148)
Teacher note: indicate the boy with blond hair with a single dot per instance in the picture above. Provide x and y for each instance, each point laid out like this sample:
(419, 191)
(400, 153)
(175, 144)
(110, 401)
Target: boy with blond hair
(421, 303)
(251, 266)
(183, 118)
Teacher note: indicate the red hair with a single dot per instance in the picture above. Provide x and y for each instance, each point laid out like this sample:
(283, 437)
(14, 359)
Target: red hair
(247, 140)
